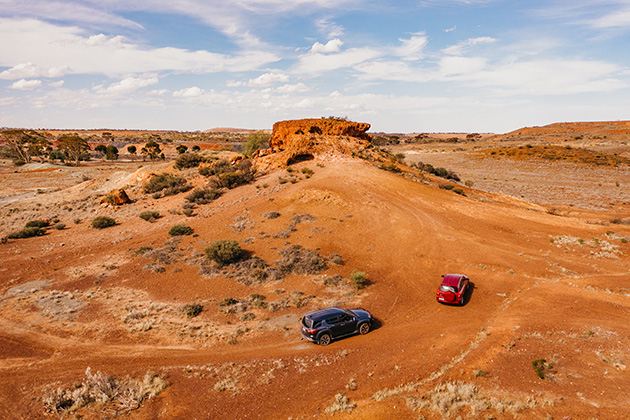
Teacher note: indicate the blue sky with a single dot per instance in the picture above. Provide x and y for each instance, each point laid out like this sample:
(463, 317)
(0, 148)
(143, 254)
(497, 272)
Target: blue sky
(403, 66)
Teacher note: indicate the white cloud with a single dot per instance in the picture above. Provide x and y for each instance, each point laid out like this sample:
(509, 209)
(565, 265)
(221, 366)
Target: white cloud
(190, 92)
(297, 88)
(268, 79)
(451, 29)
(56, 84)
(330, 29)
(317, 63)
(411, 49)
(24, 70)
(47, 46)
(331, 46)
(128, 84)
(24, 84)
(464, 46)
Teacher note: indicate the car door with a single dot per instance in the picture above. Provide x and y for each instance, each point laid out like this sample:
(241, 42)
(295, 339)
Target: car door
(334, 325)
(347, 324)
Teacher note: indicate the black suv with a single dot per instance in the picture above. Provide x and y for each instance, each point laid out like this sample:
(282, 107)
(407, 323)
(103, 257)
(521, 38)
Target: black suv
(327, 324)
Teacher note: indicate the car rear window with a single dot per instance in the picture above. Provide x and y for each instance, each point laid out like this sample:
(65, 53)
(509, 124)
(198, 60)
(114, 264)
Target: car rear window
(445, 288)
(307, 322)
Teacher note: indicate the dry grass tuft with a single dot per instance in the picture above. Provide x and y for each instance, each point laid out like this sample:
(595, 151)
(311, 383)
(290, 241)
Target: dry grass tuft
(111, 396)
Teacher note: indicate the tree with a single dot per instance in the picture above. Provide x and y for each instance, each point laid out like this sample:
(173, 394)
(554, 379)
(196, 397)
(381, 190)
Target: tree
(73, 146)
(152, 150)
(256, 140)
(196, 148)
(102, 149)
(22, 144)
(111, 152)
(132, 149)
(181, 149)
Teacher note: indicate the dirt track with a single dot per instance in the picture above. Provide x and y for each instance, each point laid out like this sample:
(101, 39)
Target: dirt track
(533, 298)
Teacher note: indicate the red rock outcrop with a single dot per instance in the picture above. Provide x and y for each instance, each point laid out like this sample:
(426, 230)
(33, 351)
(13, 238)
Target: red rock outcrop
(295, 140)
(116, 198)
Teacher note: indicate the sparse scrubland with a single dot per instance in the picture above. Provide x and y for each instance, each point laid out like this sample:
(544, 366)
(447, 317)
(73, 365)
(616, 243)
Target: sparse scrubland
(204, 274)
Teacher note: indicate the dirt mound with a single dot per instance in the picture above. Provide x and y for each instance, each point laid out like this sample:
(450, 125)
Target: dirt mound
(298, 140)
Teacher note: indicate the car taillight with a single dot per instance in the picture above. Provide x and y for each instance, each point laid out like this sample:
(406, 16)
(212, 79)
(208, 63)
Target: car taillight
(311, 331)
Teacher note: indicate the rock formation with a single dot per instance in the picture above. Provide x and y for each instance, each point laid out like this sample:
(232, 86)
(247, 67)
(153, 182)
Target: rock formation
(296, 140)
(116, 198)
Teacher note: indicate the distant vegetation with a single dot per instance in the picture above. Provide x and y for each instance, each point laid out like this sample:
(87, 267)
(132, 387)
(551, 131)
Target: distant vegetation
(566, 153)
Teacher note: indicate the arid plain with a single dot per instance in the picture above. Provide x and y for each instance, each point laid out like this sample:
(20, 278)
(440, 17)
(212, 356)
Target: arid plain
(539, 219)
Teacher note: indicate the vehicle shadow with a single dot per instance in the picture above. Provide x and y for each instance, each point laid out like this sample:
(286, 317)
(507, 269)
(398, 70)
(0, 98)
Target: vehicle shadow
(469, 292)
(376, 323)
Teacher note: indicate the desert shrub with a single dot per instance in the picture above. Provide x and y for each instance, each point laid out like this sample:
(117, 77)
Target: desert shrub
(203, 196)
(359, 279)
(37, 223)
(254, 270)
(196, 148)
(150, 215)
(234, 179)
(188, 212)
(447, 187)
(229, 301)
(224, 252)
(219, 167)
(341, 403)
(257, 300)
(255, 141)
(299, 260)
(391, 168)
(27, 232)
(188, 160)
(336, 259)
(308, 172)
(180, 230)
(458, 191)
(271, 215)
(166, 184)
(541, 367)
(191, 310)
(59, 226)
(109, 394)
(102, 222)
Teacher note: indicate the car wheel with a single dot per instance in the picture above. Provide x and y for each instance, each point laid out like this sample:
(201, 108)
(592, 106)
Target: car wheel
(324, 340)
(364, 328)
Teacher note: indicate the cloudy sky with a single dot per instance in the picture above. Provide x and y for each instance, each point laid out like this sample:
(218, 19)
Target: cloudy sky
(401, 65)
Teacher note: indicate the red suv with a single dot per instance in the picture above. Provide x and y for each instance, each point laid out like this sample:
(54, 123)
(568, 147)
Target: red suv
(453, 289)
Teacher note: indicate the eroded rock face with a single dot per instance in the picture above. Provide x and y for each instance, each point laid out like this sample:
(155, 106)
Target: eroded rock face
(296, 140)
(116, 198)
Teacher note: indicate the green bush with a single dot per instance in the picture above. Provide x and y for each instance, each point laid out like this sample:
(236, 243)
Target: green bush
(149, 215)
(359, 279)
(224, 252)
(27, 232)
(59, 226)
(180, 230)
(203, 196)
(166, 184)
(541, 367)
(38, 223)
(102, 222)
(255, 141)
(188, 160)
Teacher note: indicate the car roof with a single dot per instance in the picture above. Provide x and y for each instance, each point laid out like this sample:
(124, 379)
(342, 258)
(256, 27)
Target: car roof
(325, 313)
(452, 279)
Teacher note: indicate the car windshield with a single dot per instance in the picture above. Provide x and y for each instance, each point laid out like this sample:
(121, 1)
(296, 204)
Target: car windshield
(445, 288)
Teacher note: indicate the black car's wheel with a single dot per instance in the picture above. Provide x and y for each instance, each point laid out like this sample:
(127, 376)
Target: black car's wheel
(324, 339)
(364, 328)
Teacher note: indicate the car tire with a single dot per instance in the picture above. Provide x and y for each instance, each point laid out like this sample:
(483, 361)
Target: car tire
(325, 339)
(364, 328)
